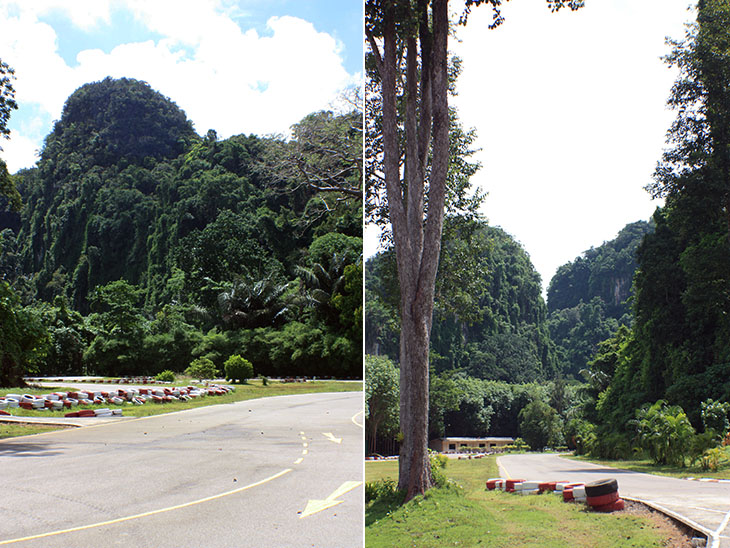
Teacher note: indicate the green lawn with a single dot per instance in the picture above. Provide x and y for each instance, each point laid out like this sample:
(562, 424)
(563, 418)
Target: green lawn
(473, 516)
(13, 430)
(254, 389)
(648, 467)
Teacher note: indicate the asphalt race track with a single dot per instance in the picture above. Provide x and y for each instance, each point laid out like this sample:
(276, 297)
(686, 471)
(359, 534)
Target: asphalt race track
(274, 472)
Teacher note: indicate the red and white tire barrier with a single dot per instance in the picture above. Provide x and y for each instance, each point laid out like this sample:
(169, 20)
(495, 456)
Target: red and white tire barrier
(602, 500)
(132, 396)
(615, 506)
(602, 496)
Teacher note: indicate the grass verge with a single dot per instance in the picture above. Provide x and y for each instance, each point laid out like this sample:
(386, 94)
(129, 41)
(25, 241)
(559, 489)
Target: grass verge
(470, 515)
(648, 467)
(16, 429)
(254, 389)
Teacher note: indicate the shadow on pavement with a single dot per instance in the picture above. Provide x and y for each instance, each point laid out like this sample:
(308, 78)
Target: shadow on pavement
(12, 448)
(600, 470)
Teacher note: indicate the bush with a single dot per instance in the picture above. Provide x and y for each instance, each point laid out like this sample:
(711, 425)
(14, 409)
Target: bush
(711, 459)
(715, 417)
(701, 443)
(238, 368)
(165, 376)
(438, 463)
(202, 368)
(580, 436)
(610, 445)
(520, 444)
(665, 433)
(385, 489)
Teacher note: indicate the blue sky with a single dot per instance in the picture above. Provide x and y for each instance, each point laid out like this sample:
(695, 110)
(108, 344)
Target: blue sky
(236, 66)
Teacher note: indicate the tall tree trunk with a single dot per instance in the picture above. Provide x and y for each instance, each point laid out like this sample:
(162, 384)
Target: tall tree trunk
(416, 229)
(417, 232)
(414, 474)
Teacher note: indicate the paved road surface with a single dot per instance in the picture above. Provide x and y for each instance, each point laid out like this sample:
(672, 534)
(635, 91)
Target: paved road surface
(234, 475)
(705, 504)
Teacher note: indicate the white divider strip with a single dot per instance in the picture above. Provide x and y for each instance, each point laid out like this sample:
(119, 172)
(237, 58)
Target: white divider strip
(716, 534)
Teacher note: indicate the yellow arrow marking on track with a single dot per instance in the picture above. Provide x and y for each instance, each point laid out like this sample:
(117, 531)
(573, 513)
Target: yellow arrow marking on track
(330, 436)
(314, 506)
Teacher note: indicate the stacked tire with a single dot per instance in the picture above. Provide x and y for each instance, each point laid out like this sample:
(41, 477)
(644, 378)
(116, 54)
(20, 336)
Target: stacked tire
(573, 492)
(602, 496)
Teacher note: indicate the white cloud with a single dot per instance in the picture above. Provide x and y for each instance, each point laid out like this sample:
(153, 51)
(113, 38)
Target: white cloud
(41, 73)
(227, 79)
(197, 20)
(19, 152)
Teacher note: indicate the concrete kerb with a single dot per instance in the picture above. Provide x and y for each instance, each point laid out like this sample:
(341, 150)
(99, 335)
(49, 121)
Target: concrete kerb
(712, 538)
(694, 526)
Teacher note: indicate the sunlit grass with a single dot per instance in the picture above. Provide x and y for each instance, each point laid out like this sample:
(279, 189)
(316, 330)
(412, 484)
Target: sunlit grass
(13, 429)
(473, 516)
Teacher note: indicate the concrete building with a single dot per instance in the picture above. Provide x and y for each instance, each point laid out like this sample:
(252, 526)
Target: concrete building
(456, 445)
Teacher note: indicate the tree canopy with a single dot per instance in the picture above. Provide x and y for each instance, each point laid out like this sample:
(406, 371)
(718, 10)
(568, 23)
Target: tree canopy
(7, 105)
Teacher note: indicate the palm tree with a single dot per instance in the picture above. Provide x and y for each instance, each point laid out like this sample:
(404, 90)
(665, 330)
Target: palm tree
(321, 283)
(254, 303)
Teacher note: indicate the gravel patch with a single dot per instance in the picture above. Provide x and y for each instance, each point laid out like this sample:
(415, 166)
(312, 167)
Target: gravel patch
(678, 535)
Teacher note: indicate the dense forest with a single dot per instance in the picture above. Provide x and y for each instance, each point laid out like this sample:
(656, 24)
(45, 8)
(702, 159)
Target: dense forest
(497, 325)
(500, 334)
(141, 245)
(590, 297)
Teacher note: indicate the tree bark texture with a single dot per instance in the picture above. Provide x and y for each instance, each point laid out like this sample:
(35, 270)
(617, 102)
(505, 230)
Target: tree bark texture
(417, 225)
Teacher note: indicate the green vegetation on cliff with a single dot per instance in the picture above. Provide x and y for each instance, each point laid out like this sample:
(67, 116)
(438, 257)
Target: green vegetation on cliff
(490, 320)
(142, 245)
(590, 297)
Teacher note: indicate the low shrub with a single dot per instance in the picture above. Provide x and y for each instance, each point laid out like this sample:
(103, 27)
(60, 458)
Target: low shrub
(581, 436)
(382, 490)
(238, 368)
(165, 376)
(665, 433)
(710, 460)
(701, 443)
(438, 463)
(715, 416)
(202, 368)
